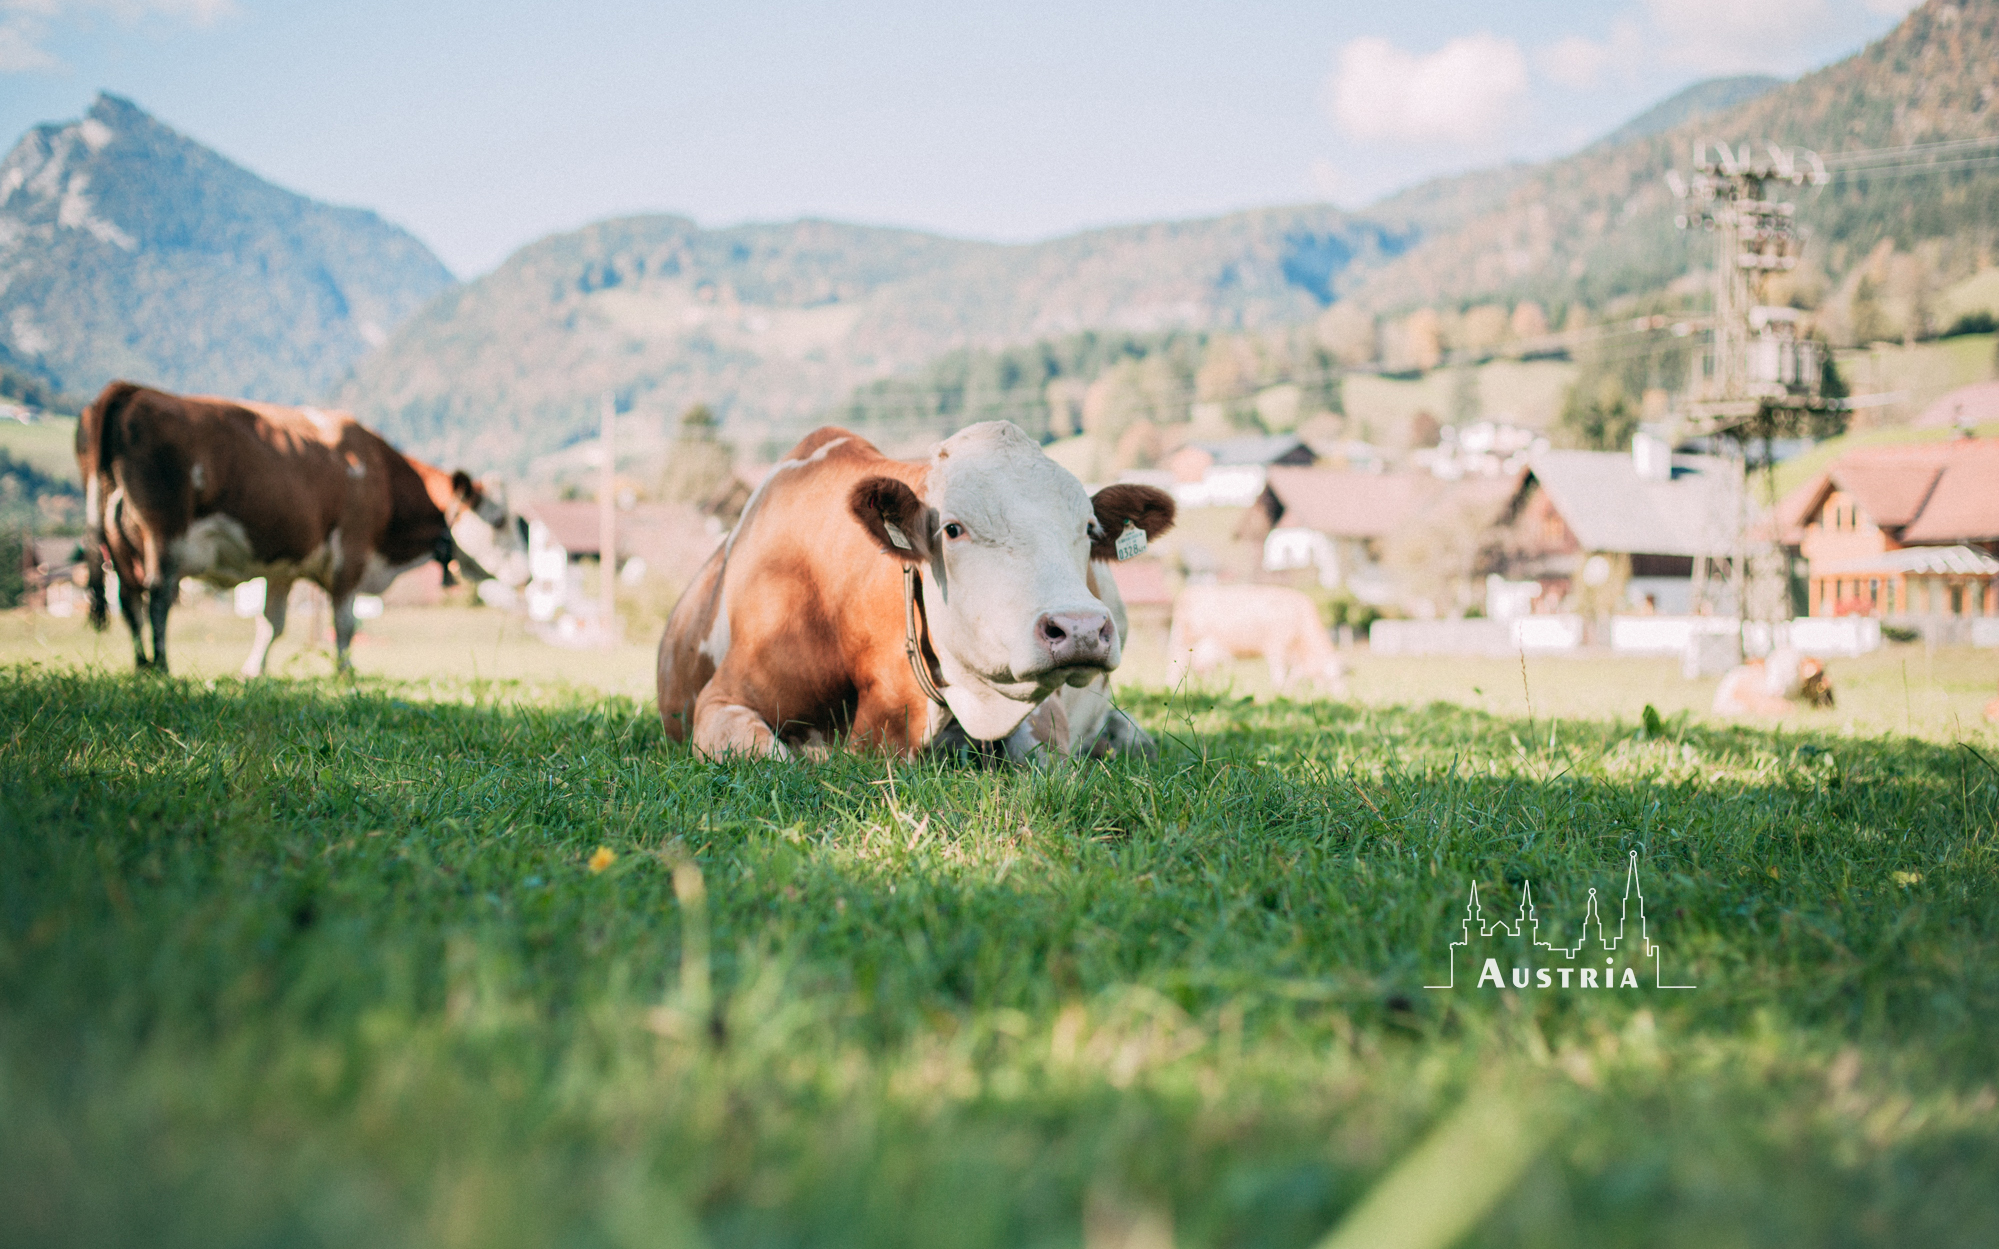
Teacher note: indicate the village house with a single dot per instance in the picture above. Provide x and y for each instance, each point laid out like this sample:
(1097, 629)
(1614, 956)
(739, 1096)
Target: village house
(1598, 532)
(1905, 534)
(1339, 522)
(1230, 473)
(669, 540)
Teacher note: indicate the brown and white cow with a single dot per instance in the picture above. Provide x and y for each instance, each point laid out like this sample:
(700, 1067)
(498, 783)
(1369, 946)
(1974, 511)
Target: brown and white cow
(797, 630)
(229, 490)
(1215, 623)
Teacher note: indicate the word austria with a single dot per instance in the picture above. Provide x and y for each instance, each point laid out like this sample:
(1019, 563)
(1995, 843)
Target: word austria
(1514, 955)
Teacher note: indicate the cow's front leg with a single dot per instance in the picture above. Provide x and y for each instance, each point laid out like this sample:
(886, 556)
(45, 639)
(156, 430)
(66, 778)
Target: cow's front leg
(892, 715)
(343, 632)
(723, 728)
(270, 626)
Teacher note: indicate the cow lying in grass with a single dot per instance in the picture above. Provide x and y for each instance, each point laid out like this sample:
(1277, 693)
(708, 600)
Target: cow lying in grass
(1215, 623)
(1773, 686)
(228, 491)
(899, 605)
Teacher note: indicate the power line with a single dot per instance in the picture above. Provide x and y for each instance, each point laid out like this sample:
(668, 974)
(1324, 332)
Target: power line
(1889, 172)
(1854, 155)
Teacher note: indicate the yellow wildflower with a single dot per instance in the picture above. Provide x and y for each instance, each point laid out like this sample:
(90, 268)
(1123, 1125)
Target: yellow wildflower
(602, 859)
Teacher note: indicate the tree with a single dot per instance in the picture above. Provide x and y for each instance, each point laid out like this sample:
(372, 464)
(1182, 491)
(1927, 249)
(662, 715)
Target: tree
(13, 555)
(1423, 340)
(1483, 330)
(1348, 334)
(697, 464)
(1870, 320)
(697, 424)
(1599, 414)
(1438, 556)
(1529, 322)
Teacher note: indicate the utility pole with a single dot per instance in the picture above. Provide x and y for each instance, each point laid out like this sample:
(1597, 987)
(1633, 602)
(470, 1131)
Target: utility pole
(1759, 378)
(607, 528)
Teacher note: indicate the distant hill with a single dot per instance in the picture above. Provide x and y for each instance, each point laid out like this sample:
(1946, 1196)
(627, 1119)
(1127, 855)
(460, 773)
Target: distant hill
(129, 250)
(1703, 99)
(1598, 225)
(769, 324)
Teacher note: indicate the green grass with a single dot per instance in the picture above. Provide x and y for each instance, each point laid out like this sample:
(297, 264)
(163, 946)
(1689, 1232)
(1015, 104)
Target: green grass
(1938, 694)
(49, 444)
(308, 962)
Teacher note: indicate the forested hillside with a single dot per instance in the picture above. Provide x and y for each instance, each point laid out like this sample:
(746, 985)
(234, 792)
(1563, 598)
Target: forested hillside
(129, 250)
(770, 324)
(1598, 226)
(1566, 258)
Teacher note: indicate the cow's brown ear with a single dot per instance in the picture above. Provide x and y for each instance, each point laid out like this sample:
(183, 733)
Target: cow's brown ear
(893, 516)
(463, 486)
(1147, 507)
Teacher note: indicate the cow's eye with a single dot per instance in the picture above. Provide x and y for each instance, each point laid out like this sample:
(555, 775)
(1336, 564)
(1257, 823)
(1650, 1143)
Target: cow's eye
(954, 530)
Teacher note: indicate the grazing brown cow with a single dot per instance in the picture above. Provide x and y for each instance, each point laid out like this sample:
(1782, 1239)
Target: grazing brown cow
(1773, 686)
(1212, 623)
(887, 600)
(229, 491)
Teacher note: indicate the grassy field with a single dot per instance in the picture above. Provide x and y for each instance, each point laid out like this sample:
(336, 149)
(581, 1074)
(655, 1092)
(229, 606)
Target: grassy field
(437, 958)
(49, 444)
(1939, 694)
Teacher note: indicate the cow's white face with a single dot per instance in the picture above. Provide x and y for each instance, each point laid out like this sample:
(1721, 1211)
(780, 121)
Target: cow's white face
(489, 534)
(1004, 537)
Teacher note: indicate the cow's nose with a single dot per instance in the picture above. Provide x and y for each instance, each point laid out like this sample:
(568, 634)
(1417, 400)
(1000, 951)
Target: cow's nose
(1074, 637)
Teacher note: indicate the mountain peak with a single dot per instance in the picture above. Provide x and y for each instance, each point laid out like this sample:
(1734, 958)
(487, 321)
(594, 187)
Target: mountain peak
(1702, 99)
(112, 109)
(128, 249)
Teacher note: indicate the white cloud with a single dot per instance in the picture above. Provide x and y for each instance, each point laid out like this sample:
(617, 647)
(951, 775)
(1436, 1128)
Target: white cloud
(1719, 36)
(25, 24)
(1581, 62)
(20, 48)
(1460, 93)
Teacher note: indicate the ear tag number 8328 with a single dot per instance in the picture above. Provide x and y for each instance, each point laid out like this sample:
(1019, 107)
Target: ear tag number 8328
(1131, 542)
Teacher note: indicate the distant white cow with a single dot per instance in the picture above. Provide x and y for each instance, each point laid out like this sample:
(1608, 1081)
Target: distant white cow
(1214, 623)
(1773, 686)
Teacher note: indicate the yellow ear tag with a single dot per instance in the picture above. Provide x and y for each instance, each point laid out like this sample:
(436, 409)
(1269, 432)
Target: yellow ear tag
(1131, 542)
(897, 536)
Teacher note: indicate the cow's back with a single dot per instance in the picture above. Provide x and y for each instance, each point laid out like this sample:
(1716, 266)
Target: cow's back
(1243, 619)
(181, 459)
(797, 591)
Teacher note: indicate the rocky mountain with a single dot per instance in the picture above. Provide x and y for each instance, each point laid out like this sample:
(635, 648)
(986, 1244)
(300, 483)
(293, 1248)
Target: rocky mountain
(769, 324)
(129, 250)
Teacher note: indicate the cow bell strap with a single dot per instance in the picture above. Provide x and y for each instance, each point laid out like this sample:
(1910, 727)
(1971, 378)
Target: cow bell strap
(912, 639)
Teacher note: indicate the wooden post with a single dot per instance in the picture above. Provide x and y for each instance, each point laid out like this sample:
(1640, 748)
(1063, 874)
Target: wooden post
(607, 528)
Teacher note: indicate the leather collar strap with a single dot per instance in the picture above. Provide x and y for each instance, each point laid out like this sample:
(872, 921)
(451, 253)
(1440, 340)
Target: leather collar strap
(912, 639)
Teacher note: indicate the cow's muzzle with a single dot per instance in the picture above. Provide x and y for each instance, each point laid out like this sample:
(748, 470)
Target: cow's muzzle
(1076, 638)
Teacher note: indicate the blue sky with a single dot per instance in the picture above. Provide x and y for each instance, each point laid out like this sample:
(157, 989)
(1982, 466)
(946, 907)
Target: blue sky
(483, 125)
